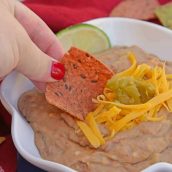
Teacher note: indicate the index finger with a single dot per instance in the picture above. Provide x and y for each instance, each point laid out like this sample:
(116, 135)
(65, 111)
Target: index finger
(38, 31)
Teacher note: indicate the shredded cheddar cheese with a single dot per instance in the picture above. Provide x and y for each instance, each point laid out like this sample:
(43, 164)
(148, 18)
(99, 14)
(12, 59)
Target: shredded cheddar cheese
(93, 125)
(130, 70)
(147, 87)
(2, 139)
(92, 138)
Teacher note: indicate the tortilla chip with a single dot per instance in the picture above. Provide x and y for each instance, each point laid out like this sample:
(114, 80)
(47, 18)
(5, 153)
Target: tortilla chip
(138, 9)
(164, 14)
(85, 78)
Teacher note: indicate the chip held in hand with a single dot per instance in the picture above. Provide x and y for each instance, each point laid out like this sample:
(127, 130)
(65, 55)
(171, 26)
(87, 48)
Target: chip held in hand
(85, 79)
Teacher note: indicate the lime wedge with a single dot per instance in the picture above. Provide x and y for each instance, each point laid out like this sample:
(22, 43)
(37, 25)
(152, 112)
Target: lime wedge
(84, 36)
(164, 14)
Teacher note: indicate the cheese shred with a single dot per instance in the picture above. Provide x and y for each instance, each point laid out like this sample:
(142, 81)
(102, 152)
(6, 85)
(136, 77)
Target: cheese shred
(116, 116)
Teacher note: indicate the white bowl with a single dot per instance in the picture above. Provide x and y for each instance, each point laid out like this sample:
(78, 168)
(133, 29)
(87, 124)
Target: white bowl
(152, 38)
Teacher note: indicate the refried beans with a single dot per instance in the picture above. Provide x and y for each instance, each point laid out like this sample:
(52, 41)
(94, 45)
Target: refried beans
(59, 139)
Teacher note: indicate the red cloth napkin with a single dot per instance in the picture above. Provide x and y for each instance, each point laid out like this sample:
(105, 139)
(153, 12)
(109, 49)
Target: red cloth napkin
(57, 14)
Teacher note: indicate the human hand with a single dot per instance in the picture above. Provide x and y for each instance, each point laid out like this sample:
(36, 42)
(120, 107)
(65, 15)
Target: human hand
(27, 44)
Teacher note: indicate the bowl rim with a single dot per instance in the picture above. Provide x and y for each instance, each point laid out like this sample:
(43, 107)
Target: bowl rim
(130, 20)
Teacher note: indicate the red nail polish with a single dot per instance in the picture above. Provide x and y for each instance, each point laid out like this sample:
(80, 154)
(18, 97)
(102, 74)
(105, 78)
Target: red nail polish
(57, 70)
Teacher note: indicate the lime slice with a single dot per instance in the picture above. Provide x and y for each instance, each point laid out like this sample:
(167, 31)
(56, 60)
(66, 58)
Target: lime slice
(84, 36)
(164, 13)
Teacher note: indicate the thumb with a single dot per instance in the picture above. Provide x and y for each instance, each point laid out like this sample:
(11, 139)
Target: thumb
(37, 65)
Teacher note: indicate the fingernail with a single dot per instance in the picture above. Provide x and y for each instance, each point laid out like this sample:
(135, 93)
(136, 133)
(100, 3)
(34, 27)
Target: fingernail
(57, 70)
